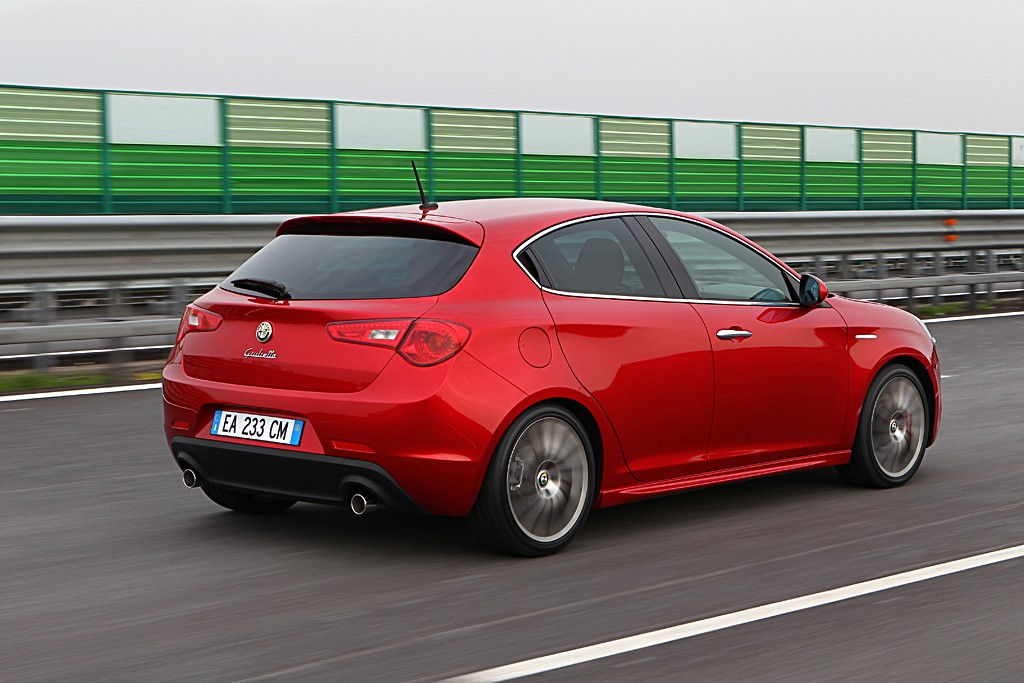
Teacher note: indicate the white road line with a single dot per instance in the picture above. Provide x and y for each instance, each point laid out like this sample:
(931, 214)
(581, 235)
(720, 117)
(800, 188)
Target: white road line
(18, 356)
(78, 392)
(641, 641)
(980, 316)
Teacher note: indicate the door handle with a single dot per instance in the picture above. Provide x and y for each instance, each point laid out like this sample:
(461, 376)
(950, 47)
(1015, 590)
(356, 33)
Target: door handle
(734, 334)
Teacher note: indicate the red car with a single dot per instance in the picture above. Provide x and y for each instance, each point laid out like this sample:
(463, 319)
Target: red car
(522, 361)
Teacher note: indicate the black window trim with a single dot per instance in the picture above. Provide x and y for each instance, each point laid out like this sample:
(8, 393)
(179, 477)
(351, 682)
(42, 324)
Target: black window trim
(683, 280)
(679, 270)
(527, 245)
(662, 270)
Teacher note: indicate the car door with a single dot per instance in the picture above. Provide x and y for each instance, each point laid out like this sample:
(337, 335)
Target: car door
(781, 370)
(631, 341)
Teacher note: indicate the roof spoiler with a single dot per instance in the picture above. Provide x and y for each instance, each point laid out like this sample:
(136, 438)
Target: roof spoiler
(398, 224)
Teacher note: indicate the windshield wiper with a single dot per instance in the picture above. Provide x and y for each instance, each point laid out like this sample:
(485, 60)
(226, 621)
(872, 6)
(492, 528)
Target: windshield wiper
(269, 287)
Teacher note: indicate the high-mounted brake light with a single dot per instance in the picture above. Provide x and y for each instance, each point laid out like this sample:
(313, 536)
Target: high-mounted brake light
(197, 319)
(421, 342)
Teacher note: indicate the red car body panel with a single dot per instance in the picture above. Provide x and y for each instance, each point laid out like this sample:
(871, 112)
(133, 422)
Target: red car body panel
(668, 404)
(648, 364)
(781, 393)
(899, 336)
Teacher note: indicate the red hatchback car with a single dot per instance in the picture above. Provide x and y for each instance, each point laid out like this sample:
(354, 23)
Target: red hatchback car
(522, 361)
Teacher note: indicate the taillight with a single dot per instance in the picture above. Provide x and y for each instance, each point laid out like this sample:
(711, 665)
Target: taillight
(197, 320)
(432, 341)
(373, 332)
(421, 342)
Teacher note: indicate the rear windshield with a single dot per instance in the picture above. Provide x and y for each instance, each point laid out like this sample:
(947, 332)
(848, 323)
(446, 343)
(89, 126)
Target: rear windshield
(357, 266)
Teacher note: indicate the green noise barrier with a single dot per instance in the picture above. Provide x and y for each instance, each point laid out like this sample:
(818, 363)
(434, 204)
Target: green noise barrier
(95, 152)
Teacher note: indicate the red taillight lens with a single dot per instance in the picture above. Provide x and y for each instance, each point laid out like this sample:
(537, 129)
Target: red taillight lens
(432, 341)
(197, 320)
(387, 333)
(421, 342)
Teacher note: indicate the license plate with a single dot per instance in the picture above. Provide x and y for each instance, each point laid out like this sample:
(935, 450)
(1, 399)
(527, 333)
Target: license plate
(257, 427)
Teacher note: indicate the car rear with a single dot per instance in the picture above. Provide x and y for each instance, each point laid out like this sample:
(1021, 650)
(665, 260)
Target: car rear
(315, 371)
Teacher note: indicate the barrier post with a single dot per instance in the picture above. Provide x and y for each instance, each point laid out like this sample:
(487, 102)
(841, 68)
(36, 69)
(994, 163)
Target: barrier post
(913, 169)
(44, 313)
(225, 159)
(672, 165)
(740, 200)
(519, 154)
(428, 122)
(803, 168)
(963, 171)
(860, 169)
(333, 156)
(116, 310)
(107, 200)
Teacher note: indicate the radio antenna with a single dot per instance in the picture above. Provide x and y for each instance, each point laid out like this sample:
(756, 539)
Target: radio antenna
(425, 206)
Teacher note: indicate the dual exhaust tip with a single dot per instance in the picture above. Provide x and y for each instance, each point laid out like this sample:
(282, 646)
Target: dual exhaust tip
(360, 503)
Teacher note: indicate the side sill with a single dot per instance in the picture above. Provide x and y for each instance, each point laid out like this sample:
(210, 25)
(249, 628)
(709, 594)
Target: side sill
(637, 492)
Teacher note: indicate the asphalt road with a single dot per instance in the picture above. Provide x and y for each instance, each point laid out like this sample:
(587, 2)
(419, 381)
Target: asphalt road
(111, 570)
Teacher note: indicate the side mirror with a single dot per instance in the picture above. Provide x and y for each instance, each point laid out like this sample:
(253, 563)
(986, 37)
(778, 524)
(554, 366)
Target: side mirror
(812, 290)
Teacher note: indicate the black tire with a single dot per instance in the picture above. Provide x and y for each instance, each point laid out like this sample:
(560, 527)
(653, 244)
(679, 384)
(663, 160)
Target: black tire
(249, 503)
(544, 462)
(892, 433)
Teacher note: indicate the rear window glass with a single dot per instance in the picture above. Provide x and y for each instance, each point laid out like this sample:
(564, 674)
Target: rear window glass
(357, 266)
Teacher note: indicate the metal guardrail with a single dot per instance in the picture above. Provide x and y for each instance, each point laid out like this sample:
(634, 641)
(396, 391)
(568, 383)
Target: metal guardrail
(51, 249)
(117, 329)
(59, 274)
(113, 329)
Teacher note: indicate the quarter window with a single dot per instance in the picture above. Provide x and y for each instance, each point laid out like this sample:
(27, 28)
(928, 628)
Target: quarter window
(721, 268)
(597, 257)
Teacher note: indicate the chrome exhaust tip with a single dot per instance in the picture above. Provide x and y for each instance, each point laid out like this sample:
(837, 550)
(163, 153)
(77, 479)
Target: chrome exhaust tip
(362, 504)
(189, 478)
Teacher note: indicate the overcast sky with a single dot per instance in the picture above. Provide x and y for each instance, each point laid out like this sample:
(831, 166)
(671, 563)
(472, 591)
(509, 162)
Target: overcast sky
(938, 65)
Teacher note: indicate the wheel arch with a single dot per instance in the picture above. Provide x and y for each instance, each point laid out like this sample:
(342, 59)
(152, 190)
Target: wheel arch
(920, 370)
(589, 423)
(581, 412)
(864, 370)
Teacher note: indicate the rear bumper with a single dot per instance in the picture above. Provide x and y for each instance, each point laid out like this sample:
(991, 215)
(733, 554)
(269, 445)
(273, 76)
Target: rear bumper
(430, 430)
(310, 477)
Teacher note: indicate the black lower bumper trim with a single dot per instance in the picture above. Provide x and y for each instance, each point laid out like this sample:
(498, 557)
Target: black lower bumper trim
(290, 474)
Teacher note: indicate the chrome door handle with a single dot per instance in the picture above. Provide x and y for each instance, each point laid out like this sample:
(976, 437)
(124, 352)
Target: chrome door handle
(734, 334)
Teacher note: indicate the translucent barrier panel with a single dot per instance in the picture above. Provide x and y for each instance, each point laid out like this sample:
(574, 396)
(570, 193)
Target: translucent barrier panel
(359, 126)
(634, 138)
(271, 123)
(1018, 151)
(49, 115)
(160, 120)
(988, 150)
(830, 144)
(560, 135)
(887, 146)
(473, 131)
(704, 140)
(940, 148)
(778, 143)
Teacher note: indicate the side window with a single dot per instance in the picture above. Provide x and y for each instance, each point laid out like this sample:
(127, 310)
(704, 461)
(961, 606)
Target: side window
(722, 268)
(597, 257)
